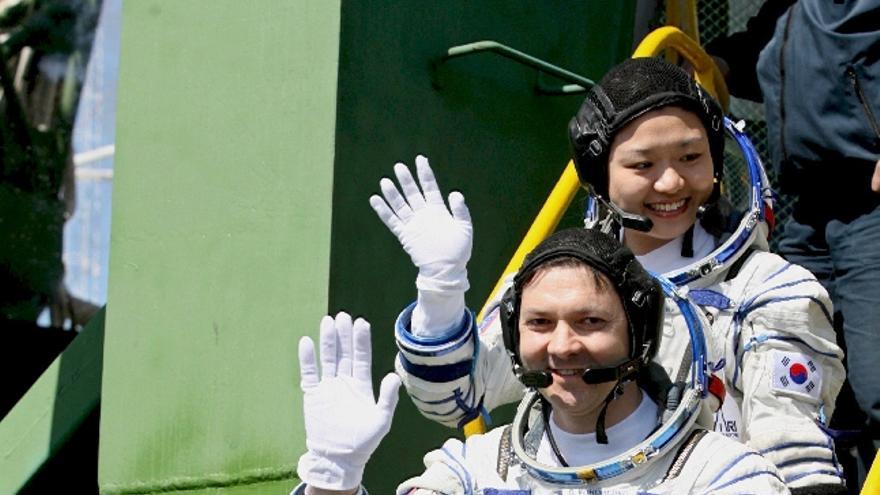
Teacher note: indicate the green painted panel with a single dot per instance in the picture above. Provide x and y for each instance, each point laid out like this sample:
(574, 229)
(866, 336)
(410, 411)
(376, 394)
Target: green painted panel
(54, 407)
(486, 132)
(282, 487)
(235, 133)
(220, 240)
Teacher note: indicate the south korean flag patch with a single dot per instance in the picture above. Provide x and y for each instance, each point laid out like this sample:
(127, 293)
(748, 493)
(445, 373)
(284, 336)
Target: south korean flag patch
(796, 374)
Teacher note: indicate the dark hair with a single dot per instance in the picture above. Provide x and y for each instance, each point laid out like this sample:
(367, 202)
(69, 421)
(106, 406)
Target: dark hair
(601, 281)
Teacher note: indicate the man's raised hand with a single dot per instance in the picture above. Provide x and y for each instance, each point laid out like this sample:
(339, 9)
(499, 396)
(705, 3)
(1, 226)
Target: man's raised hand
(344, 423)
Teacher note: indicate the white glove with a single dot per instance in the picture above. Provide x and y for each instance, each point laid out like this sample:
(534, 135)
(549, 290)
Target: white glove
(344, 425)
(438, 242)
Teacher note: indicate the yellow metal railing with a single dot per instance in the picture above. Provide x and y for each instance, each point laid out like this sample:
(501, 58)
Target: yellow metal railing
(683, 15)
(705, 70)
(872, 481)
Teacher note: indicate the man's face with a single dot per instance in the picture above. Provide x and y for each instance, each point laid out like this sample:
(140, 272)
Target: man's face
(568, 324)
(660, 167)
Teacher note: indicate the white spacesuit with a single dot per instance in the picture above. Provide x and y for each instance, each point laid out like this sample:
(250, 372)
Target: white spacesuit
(653, 445)
(771, 341)
(755, 347)
(713, 464)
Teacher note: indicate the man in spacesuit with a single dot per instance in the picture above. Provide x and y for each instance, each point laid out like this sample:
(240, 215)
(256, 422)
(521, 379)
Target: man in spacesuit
(648, 144)
(581, 324)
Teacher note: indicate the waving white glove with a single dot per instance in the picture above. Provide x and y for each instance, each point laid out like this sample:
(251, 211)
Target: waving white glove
(439, 242)
(344, 424)
(437, 239)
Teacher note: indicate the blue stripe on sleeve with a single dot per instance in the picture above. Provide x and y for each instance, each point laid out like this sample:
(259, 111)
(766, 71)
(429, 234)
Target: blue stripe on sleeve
(746, 477)
(437, 373)
(464, 477)
(431, 346)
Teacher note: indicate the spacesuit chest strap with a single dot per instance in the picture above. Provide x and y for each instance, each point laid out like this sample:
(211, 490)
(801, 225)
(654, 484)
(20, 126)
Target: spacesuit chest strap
(505, 454)
(684, 452)
(738, 264)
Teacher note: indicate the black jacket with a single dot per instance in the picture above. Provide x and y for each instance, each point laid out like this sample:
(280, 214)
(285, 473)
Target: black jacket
(819, 76)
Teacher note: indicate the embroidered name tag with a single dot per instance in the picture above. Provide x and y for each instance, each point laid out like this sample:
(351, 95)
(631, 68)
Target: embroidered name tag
(796, 373)
(496, 491)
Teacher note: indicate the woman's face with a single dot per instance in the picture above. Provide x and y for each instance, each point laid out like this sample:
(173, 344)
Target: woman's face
(660, 167)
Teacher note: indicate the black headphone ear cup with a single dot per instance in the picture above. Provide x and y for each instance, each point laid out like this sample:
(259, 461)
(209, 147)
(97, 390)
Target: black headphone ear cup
(651, 320)
(510, 322)
(645, 311)
(588, 135)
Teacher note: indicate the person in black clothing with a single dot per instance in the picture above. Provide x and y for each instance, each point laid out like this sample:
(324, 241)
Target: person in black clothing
(816, 66)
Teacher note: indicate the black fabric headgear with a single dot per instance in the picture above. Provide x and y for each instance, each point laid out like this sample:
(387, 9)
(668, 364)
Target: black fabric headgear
(629, 90)
(640, 294)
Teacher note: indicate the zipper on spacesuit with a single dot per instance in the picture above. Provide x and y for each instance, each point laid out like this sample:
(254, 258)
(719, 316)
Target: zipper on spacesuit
(857, 87)
(782, 83)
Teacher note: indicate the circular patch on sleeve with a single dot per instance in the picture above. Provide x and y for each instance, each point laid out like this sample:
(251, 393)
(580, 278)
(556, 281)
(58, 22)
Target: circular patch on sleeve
(798, 373)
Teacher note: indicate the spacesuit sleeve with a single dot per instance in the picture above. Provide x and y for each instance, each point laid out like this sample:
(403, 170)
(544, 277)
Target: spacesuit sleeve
(446, 471)
(458, 467)
(789, 371)
(454, 378)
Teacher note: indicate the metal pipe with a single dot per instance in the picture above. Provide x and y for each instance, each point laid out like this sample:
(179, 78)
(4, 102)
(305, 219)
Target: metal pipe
(523, 58)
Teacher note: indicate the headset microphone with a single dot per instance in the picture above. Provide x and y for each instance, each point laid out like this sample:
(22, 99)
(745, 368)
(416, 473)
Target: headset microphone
(611, 374)
(536, 379)
(543, 379)
(615, 217)
(631, 220)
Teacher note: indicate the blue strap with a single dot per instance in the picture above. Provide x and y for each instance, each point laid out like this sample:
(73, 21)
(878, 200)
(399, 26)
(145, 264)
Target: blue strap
(847, 438)
(711, 298)
(437, 373)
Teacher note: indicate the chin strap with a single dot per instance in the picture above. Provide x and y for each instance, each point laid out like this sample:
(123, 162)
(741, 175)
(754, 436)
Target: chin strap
(545, 414)
(601, 436)
(687, 243)
(619, 374)
(616, 392)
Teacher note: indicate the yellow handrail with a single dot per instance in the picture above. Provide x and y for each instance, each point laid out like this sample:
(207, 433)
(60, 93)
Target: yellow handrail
(683, 15)
(872, 481)
(705, 70)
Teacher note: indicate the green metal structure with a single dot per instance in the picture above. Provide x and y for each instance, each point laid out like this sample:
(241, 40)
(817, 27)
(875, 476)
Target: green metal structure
(249, 137)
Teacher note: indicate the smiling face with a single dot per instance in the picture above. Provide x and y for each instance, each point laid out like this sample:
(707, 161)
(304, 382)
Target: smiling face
(660, 167)
(571, 319)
